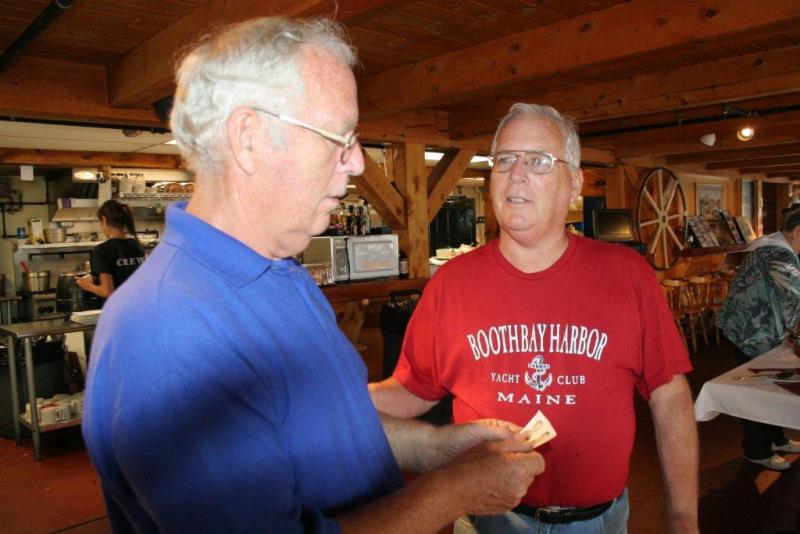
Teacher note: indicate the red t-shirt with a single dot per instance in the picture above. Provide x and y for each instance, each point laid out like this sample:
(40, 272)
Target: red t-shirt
(571, 341)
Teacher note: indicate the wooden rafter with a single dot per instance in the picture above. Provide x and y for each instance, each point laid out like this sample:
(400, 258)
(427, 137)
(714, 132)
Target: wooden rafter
(145, 74)
(754, 162)
(68, 158)
(380, 193)
(441, 181)
(766, 73)
(711, 155)
(580, 42)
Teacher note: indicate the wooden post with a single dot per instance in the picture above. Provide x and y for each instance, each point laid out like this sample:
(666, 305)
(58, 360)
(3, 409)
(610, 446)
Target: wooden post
(417, 210)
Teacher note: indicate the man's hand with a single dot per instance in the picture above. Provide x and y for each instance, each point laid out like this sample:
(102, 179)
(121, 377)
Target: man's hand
(492, 477)
(452, 440)
(84, 282)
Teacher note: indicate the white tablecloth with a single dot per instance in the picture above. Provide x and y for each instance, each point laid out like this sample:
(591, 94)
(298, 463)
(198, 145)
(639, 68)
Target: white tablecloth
(753, 398)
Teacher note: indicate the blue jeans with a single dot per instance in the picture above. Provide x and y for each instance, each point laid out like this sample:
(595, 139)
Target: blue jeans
(612, 521)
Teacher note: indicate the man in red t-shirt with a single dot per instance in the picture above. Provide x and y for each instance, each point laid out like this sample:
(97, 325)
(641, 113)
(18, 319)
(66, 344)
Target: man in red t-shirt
(542, 320)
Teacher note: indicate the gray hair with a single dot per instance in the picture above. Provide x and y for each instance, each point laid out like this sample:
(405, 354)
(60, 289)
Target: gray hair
(253, 63)
(572, 144)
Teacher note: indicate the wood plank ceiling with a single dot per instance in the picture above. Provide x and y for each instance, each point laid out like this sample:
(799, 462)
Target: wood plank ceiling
(644, 78)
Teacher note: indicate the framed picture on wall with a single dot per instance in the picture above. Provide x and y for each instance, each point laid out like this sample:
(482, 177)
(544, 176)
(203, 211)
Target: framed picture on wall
(709, 200)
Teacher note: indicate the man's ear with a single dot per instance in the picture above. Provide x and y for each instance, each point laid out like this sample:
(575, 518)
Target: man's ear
(242, 133)
(577, 184)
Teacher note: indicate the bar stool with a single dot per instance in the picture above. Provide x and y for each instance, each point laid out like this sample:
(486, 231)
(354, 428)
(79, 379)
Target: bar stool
(719, 294)
(676, 293)
(700, 301)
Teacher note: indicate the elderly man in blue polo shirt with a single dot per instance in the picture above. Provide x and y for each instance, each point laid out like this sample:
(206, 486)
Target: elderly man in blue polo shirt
(222, 397)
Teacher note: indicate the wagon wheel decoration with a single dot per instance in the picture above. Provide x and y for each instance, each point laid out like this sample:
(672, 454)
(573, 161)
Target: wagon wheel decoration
(661, 217)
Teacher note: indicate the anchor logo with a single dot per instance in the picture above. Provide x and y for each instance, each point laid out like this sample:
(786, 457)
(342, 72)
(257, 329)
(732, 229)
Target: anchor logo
(535, 379)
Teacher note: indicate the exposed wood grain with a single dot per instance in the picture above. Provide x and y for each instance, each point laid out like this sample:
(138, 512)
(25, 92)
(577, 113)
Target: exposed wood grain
(67, 158)
(378, 190)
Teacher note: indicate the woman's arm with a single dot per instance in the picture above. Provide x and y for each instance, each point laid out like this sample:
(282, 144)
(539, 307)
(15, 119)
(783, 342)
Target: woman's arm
(103, 289)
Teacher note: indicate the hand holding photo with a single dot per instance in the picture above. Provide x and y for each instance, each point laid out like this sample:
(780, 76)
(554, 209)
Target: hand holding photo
(539, 430)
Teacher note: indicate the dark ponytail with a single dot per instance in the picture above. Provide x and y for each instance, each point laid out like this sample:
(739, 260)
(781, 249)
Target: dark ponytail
(119, 216)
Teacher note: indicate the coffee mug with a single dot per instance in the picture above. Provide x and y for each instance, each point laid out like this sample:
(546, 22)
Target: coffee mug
(49, 414)
(76, 406)
(63, 413)
(39, 404)
(60, 396)
(66, 405)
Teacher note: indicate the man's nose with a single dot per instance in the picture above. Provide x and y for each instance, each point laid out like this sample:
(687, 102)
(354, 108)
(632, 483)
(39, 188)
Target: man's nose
(355, 163)
(518, 173)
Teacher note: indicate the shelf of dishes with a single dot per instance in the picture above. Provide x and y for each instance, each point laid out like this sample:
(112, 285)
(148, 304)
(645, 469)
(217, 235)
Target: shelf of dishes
(61, 411)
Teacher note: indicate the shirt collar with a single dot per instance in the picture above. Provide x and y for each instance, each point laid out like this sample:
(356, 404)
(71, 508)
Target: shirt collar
(215, 249)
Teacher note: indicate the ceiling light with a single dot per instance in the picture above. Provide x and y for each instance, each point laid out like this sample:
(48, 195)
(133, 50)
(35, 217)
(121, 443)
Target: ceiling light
(745, 134)
(171, 142)
(708, 139)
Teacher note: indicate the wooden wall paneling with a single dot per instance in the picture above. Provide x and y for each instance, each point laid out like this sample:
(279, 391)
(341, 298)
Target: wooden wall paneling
(417, 210)
(615, 187)
(446, 179)
(594, 182)
(759, 208)
(380, 193)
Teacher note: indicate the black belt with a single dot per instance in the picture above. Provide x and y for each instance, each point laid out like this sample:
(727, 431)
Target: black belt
(562, 515)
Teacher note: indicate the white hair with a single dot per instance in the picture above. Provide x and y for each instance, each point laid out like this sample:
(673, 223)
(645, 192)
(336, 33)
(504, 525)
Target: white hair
(572, 144)
(253, 63)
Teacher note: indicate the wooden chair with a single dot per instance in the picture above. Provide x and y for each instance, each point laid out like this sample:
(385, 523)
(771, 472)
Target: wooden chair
(719, 294)
(699, 303)
(674, 291)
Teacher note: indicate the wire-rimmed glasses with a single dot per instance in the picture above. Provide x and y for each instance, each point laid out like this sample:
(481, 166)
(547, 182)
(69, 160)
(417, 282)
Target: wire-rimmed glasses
(347, 143)
(534, 161)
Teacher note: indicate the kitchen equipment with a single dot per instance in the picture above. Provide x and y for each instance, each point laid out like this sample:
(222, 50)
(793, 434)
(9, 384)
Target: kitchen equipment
(70, 297)
(38, 306)
(35, 281)
(373, 256)
(331, 251)
(55, 235)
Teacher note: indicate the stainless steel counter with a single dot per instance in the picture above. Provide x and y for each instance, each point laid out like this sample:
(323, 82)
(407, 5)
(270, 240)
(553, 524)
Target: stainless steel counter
(25, 332)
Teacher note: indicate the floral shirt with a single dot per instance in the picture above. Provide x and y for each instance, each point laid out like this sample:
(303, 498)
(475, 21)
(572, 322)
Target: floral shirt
(764, 298)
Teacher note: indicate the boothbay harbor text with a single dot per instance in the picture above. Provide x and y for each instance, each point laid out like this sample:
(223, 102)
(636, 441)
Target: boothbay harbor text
(538, 337)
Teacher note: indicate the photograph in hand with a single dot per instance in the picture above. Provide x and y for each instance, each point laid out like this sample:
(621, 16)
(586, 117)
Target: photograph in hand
(539, 430)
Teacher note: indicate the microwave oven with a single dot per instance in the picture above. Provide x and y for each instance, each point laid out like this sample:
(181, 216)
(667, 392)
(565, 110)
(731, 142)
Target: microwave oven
(331, 250)
(373, 256)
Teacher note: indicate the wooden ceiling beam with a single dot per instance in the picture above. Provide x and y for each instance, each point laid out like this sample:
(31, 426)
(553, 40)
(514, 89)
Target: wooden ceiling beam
(712, 154)
(689, 144)
(445, 181)
(146, 73)
(53, 90)
(789, 169)
(570, 45)
(772, 72)
(69, 158)
(381, 194)
(753, 162)
(790, 175)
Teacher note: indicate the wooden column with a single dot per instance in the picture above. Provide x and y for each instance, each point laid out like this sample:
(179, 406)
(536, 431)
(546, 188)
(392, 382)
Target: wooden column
(417, 210)
(490, 229)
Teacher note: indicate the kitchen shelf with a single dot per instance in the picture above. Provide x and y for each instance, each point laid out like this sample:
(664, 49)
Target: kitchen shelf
(155, 196)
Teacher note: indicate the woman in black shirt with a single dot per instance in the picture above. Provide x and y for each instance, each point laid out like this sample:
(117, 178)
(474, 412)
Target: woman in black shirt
(114, 260)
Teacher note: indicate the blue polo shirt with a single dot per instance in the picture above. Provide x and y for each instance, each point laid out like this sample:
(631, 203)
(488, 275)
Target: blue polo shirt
(222, 396)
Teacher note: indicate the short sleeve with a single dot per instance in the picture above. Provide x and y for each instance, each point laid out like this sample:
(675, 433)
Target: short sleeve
(416, 368)
(101, 263)
(664, 353)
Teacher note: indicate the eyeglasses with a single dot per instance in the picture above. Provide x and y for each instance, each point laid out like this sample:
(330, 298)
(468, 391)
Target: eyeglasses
(347, 143)
(535, 161)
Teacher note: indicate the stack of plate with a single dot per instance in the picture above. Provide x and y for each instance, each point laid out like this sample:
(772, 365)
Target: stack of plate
(85, 317)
